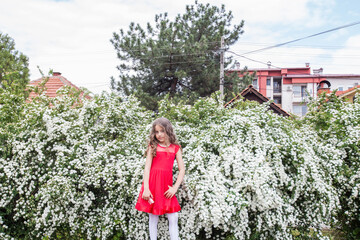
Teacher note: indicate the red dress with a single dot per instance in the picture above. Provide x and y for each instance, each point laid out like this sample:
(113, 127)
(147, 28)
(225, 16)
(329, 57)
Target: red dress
(160, 178)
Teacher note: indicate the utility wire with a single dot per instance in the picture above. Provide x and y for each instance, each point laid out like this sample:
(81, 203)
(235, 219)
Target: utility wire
(296, 46)
(320, 55)
(177, 55)
(161, 48)
(296, 40)
(131, 68)
(253, 60)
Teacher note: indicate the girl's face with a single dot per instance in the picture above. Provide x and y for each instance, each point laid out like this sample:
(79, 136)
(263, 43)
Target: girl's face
(161, 135)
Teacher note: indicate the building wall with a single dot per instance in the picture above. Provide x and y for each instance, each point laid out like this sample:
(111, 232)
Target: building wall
(344, 83)
(287, 98)
(293, 78)
(269, 88)
(292, 97)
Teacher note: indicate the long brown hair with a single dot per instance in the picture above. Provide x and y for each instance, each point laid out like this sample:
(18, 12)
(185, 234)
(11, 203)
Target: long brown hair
(153, 142)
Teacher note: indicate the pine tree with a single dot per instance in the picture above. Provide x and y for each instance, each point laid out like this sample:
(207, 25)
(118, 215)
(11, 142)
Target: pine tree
(179, 57)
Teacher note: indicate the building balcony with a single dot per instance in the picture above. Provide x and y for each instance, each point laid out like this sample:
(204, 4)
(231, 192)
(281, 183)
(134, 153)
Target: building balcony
(277, 90)
(300, 99)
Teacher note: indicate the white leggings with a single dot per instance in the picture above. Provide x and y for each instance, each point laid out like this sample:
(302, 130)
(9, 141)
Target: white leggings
(173, 225)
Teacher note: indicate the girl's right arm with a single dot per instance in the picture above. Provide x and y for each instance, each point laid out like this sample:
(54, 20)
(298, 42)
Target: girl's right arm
(149, 157)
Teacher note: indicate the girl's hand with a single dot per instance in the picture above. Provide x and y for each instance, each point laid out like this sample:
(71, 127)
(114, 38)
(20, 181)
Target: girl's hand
(147, 194)
(170, 192)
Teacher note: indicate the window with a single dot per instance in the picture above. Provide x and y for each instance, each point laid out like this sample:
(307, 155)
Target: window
(277, 100)
(299, 91)
(277, 85)
(341, 89)
(350, 87)
(255, 83)
(300, 109)
(268, 81)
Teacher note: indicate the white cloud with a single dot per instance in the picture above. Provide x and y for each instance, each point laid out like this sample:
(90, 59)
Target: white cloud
(73, 37)
(347, 59)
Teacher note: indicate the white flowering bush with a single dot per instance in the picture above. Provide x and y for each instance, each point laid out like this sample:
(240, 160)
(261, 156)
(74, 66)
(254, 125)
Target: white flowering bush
(251, 174)
(337, 123)
(73, 169)
(12, 102)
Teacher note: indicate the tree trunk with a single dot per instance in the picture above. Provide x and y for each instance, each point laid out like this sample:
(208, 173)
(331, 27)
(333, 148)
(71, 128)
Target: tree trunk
(173, 87)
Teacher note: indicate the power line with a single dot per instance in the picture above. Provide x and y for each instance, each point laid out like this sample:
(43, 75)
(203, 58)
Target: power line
(296, 46)
(98, 84)
(320, 55)
(296, 40)
(74, 53)
(131, 68)
(253, 60)
(181, 62)
(177, 55)
(161, 48)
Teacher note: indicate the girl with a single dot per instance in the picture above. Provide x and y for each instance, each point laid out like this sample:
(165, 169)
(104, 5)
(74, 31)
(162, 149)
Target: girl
(157, 194)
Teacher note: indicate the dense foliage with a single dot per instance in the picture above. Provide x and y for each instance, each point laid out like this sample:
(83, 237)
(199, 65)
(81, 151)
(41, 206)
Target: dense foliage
(72, 169)
(337, 123)
(251, 174)
(14, 71)
(63, 176)
(179, 56)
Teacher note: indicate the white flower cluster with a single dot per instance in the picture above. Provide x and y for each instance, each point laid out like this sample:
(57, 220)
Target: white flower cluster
(75, 172)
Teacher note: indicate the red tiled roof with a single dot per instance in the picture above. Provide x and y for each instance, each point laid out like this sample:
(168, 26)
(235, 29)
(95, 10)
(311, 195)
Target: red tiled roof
(53, 84)
(344, 93)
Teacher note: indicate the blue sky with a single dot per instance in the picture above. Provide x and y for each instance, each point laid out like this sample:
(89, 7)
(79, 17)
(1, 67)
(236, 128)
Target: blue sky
(72, 36)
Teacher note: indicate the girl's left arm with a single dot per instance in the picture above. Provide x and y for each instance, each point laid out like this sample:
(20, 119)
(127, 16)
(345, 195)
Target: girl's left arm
(172, 190)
